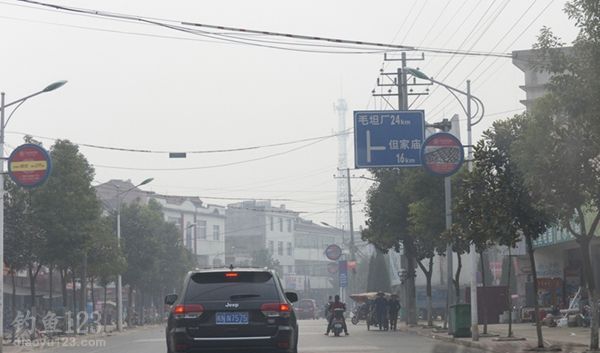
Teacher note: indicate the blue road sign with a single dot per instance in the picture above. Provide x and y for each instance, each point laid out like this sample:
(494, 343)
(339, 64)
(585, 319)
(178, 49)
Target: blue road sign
(343, 273)
(386, 139)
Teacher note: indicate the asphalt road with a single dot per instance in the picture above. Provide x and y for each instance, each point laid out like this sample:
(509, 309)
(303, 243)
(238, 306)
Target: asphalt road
(312, 340)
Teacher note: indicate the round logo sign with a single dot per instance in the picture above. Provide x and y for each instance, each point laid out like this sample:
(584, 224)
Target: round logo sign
(333, 252)
(29, 165)
(442, 154)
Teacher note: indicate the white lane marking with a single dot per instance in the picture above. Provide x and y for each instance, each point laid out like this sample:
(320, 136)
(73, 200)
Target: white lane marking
(147, 340)
(339, 349)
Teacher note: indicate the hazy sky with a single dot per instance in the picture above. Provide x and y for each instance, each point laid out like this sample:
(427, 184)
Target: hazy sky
(193, 93)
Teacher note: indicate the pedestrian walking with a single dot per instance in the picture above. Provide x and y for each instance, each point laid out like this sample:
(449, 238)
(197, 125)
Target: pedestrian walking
(394, 308)
(381, 309)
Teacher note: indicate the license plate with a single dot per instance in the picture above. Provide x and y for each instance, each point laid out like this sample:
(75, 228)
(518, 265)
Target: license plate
(232, 318)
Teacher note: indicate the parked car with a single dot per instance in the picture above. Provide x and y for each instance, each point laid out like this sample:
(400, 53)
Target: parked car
(307, 309)
(231, 310)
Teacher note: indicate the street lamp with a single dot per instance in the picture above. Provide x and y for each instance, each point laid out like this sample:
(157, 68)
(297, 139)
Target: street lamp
(119, 278)
(418, 74)
(3, 123)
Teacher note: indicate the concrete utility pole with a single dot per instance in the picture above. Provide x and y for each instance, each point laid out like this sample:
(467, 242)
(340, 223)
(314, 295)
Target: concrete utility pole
(399, 81)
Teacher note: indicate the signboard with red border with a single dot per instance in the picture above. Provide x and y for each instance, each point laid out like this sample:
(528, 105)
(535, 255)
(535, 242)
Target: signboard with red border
(442, 154)
(333, 252)
(29, 165)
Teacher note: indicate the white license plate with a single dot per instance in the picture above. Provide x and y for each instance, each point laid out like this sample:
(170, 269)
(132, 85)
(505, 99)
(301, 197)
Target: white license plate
(232, 318)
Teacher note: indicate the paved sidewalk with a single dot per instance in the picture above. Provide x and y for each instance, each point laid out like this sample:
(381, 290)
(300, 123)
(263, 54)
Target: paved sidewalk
(569, 339)
(69, 341)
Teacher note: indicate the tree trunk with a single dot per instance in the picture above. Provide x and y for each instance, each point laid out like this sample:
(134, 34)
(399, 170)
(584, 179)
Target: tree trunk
(508, 297)
(485, 312)
(536, 304)
(92, 296)
(411, 300)
(83, 292)
(428, 276)
(104, 315)
(457, 279)
(63, 286)
(588, 273)
(50, 282)
(74, 297)
(14, 301)
(33, 273)
(129, 306)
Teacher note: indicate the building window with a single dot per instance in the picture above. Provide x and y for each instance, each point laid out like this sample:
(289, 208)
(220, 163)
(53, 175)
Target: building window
(280, 248)
(271, 247)
(176, 221)
(216, 232)
(271, 222)
(201, 229)
(289, 248)
(290, 269)
(281, 224)
(289, 222)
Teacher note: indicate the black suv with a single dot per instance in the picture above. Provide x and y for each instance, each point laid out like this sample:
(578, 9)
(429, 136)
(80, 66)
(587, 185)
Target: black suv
(232, 310)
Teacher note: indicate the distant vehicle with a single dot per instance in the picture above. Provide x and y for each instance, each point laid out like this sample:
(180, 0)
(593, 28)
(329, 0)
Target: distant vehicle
(307, 309)
(231, 310)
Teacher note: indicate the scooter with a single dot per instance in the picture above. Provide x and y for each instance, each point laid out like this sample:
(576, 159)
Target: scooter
(337, 325)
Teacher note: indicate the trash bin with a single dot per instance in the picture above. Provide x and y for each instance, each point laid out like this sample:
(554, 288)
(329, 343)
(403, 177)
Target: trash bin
(460, 320)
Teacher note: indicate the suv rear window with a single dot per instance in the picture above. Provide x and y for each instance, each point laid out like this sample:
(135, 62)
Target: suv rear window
(226, 286)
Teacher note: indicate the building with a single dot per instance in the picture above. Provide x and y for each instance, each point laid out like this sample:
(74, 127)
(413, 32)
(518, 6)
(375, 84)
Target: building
(255, 225)
(298, 245)
(202, 226)
(313, 277)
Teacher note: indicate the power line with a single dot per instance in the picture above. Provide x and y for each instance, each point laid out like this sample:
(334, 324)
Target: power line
(214, 165)
(237, 149)
(332, 41)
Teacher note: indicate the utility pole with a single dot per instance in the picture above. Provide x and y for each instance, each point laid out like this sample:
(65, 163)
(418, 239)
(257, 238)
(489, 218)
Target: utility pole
(398, 80)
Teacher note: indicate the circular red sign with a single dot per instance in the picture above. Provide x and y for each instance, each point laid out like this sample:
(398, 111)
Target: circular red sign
(333, 252)
(442, 154)
(29, 165)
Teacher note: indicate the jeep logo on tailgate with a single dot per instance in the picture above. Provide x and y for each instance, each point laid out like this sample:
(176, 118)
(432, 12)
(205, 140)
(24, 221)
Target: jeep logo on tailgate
(232, 305)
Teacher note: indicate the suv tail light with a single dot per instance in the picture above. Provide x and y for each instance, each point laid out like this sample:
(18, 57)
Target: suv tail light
(188, 311)
(276, 309)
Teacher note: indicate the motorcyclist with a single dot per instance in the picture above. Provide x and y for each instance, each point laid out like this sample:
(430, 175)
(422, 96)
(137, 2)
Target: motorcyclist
(337, 304)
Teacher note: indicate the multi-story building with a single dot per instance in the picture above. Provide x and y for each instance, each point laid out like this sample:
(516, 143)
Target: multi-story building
(202, 226)
(255, 225)
(297, 244)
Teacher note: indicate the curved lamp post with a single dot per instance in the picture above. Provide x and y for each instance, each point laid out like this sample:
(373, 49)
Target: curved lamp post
(480, 110)
(119, 277)
(3, 123)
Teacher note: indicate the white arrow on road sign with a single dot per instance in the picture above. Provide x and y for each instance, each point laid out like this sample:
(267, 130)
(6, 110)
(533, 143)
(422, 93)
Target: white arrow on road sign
(372, 148)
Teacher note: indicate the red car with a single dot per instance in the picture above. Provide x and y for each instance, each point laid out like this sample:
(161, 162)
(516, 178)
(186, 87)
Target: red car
(307, 309)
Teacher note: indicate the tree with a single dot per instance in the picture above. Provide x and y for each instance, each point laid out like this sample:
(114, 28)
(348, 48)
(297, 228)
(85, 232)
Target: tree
(387, 224)
(263, 258)
(427, 223)
(561, 140)
(497, 204)
(67, 209)
(379, 276)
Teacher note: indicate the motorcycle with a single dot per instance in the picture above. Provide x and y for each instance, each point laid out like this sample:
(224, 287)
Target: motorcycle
(337, 324)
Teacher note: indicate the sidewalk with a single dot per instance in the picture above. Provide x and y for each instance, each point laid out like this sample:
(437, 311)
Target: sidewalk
(71, 340)
(569, 339)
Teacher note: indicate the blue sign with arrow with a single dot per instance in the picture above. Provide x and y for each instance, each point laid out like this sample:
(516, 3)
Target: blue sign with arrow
(388, 138)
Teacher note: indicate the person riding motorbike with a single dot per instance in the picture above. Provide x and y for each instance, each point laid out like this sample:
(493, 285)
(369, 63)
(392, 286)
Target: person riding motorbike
(337, 304)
